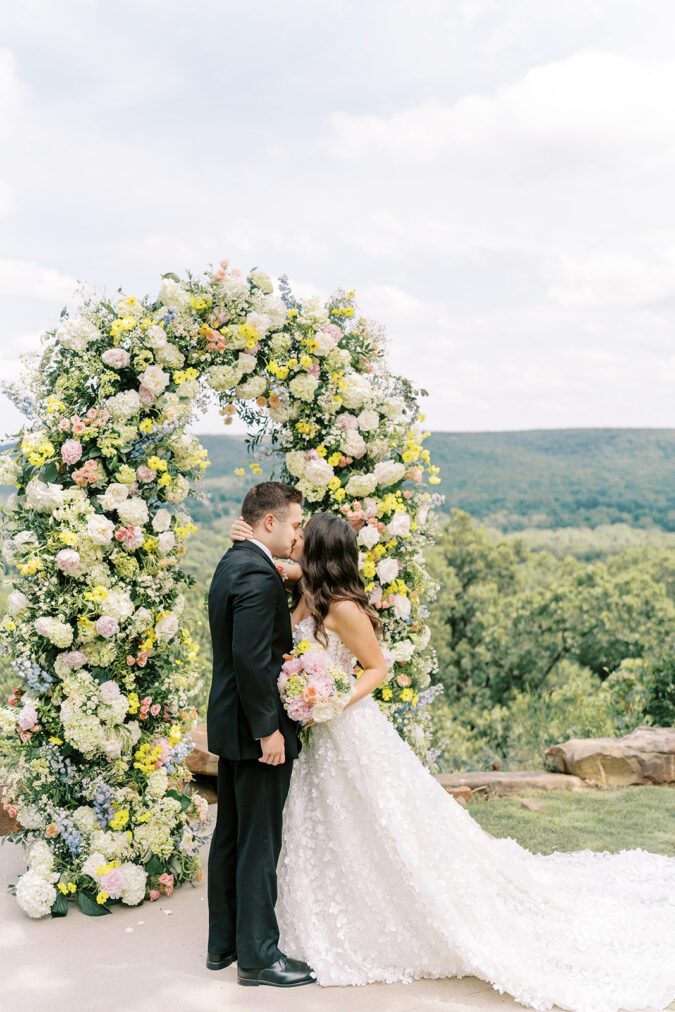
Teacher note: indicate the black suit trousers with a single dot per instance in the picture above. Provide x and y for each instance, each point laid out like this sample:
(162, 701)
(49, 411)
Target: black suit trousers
(242, 884)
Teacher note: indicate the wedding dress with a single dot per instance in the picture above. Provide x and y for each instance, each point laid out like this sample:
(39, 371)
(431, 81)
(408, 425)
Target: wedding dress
(383, 876)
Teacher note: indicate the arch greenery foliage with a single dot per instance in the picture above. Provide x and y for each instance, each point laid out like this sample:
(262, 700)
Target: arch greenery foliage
(100, 722)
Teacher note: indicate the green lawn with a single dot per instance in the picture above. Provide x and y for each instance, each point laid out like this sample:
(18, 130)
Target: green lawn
(614, 819)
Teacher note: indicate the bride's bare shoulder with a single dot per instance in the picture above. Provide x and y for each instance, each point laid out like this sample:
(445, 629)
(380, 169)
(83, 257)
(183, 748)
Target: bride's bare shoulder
(346, 614)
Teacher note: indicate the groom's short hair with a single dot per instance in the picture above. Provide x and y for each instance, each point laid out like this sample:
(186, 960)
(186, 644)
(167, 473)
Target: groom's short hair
(268, 497)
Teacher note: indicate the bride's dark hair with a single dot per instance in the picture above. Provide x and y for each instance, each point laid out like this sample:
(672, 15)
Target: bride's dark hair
(330, 570)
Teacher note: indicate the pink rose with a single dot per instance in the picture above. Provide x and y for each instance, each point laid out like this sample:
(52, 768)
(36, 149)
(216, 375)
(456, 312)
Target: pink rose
(71, 451)
(146, 396)
(115, 358)
(323, 683)
(154, 895)
(108, 691)
(299, 710)
(345, 420)
(292, 667)
(315, 661)
(74, 659)
(64, 425)
(113, 883)
(27, 717)
(375, 595)
(312, 455)
(370, 506)
(155, 708)
(79, 427)
(107, 626)
(145, 473)
(67, 560)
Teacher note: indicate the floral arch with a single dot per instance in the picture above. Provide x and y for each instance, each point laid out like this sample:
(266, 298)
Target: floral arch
(100, 724)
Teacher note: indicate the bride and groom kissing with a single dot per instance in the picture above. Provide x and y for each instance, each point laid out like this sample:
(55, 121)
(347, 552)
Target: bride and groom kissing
(345, 862)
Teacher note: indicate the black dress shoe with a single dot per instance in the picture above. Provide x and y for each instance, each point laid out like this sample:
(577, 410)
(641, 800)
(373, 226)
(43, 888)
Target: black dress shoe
(286, 972)
(219, 960)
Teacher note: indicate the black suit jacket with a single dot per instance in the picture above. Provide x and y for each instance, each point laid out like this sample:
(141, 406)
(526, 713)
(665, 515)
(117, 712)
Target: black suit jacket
(250, 632)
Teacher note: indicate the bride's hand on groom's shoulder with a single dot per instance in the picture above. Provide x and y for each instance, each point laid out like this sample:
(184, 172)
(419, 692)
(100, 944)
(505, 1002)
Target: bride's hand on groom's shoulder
(240, 530)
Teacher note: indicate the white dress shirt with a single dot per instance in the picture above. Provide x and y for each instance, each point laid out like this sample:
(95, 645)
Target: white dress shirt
(264, 548)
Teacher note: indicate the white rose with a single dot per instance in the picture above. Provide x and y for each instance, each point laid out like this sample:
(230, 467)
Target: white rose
(353, 443)
(388, 472)
(277, 311)
(369, 535)
(161, 521)
(165, 542)
(296, 462)
(99, 528)
(324, 343)
(402, 606)
(166, 627)
(260, 322)
(319, 472)
(323, 712)
(368, 420)
(399, 525)
(173, 295)
(16, 602)
(156, 336)
(387, 570)
(394, 408)
(155, 379)
(133, 511)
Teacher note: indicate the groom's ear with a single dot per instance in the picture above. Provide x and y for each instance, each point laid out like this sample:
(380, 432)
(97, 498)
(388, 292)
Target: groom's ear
(268, 521)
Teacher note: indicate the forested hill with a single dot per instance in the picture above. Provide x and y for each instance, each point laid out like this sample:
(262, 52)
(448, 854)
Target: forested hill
(534, 478)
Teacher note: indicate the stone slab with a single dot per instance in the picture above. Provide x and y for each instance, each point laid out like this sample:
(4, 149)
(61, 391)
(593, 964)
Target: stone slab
(645, 756)
(497, 783)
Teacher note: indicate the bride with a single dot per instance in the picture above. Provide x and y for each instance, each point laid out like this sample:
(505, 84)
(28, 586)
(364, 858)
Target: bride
(383, 876)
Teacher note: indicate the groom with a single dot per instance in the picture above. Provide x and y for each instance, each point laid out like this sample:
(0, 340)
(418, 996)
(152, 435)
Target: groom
(255, 740)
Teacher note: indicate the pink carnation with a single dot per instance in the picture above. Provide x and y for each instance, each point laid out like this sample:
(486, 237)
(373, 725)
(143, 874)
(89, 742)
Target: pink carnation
(113, 883)
(108, 691)
(67, 560)
(323, 683)
(145, 473)
(345, 420)
(74, 659)
(71, 451)
(315, 661)
(146, 396)
(107, 626)
(115, 358)
(27, 717)
(281, 680)
(299, 710)
(333, 331)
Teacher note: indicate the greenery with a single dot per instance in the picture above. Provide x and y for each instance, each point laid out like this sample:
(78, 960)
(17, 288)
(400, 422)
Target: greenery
(613, 819)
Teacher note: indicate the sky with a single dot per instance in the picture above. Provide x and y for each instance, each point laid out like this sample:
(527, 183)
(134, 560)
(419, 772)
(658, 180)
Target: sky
(493, 179)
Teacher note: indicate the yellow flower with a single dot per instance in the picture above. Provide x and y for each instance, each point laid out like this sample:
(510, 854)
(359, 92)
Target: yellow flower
(146, 425)
(150, 544)
(305, 361)
(386, 694)
(164, 479)
(407, 695)
(8, 624)
(120, 819)
(321, 450)
(62, 889)
(55, 741)
(98, 594)
(102, 897)
(157, 464)
(334, 483)
(240, 471)
(334, 459)
(72, 887)
(69, 538)
(134, 703)
(302, 646)
(339, 494)
(175, 734)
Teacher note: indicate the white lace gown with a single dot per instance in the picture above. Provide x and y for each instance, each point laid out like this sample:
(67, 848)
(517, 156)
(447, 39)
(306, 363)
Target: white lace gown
(383, 876)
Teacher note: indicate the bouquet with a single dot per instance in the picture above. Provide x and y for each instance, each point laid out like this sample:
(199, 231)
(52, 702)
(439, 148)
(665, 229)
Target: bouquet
(312, 689)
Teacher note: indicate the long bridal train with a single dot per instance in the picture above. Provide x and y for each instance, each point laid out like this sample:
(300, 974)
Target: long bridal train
(384, 877)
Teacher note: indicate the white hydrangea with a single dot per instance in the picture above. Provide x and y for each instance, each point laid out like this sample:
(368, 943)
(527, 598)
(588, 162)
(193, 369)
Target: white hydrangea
(142, 620)
(178, 489)
(118, 603)
(394, 408)
(43, 496)
(403, 651)
(124, 405)
(158, 782)
(41, 859)
(77, 333)
(319, 472)
(135, 878)
(223, 377)
(7, 720)
(9, 470)
(387, 570)
(246, 363)
(279, 343)
(30, 817)
(57, 632)
(16, 602)
(296, 461)
(277, 311)
(233, 286)
(357, 390)
(423, 638)
(388, 472)
(109, 843)
(156, 336)
(282, 412)
(314, 311)
(253, 387)
(133, 511)
(174, 408)
(361, 484)
(303, 386)
(353, 443)
(155, 837)
(172, 294)
(171, 356)
(85, 819)
(338, 360)
(83, 730)
(34, 894)
(262, 281)
(155, 379)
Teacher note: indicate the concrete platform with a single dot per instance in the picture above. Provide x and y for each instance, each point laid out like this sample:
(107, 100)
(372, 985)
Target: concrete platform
(151, 959)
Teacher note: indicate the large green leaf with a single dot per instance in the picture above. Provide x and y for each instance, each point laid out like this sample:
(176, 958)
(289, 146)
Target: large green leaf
(155, 865)
(90, 907)
(60, 906)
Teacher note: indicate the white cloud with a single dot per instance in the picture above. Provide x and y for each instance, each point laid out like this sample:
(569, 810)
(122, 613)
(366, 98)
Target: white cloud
(590, 107)
(612, 277)
(25, 279)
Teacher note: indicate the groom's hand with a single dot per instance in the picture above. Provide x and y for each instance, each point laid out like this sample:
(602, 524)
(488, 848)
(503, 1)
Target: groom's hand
(273, 749)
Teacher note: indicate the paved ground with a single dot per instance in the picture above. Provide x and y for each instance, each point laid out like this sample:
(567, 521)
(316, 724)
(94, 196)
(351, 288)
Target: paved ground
(151, 959)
